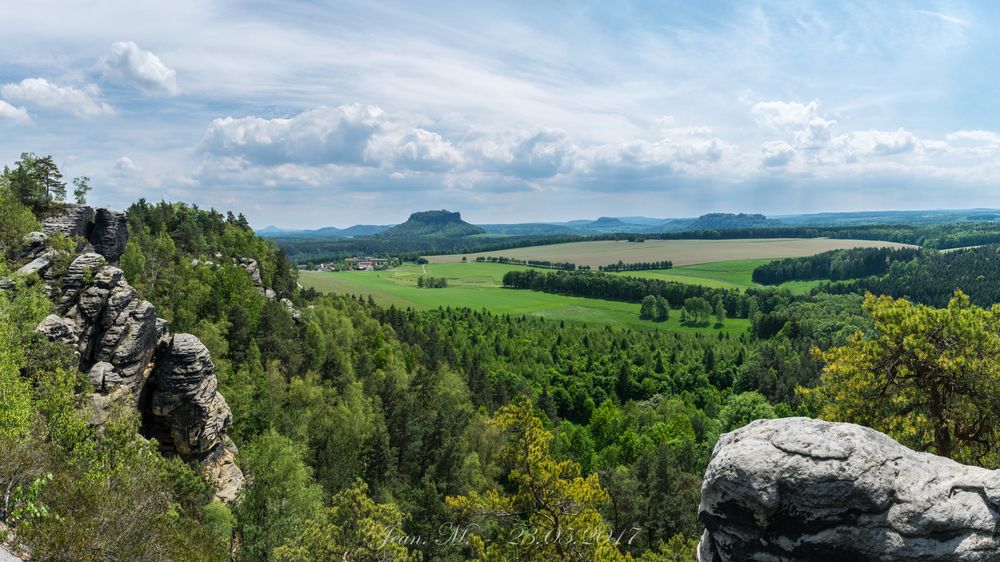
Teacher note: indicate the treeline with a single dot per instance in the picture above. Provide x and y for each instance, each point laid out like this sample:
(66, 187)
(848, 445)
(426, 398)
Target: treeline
(835, 265)
(957, 235)
(640, 266)
(933, 277)
(432, 282)
(736, 304)
(544, 264)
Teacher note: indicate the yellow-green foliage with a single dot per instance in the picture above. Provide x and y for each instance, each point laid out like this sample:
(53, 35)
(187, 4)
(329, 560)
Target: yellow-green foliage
(552, 512)
(354, 528)
(928, 377)
(16, 220)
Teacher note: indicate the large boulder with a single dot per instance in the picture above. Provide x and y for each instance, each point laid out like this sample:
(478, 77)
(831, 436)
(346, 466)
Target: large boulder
(798, 489)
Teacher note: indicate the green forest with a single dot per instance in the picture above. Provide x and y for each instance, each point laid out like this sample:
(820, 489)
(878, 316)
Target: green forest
(379, 433)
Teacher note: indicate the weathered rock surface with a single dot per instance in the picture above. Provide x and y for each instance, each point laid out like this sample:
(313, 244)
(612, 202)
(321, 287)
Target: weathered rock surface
(105, 230)
(74, 220)
(797, 489)
(130, 358)
(185, 401)
(110, 234)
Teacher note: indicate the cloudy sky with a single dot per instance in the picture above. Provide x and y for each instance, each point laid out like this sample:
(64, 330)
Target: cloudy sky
(306, 114)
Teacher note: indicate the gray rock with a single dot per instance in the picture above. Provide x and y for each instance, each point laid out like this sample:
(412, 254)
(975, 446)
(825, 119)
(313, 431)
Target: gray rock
(59, 329)
(798, 489)
(109, 234)
(8, 556)
(185, 397)
(74, 220)
(253, 270)
(6, 283)
(33, 244)
(129, 355)
(38, 265)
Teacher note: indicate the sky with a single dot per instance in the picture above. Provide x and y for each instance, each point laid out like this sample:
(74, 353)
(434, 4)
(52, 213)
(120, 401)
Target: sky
(304, 114)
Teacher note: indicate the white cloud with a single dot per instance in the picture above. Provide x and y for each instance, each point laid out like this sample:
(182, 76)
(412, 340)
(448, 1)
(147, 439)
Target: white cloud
(860, 144)
(638, 159)
(16, 114)
(776, 153)
(42, 93)
(781, 114)
(131, 65)
(531, 154)
(316, 137)
(423, 150)
(125, 165)
(984, 137)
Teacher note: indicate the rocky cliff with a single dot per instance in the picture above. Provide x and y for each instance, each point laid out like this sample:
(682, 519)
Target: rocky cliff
(126, 351)
(798, 489)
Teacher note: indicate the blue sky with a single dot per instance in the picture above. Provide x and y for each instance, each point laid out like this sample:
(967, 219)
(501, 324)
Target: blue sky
(306, 114)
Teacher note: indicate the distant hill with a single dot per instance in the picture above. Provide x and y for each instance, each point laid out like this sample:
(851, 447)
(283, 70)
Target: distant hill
(530, 229)
(432, 224)
(722, 221)
(325, 232)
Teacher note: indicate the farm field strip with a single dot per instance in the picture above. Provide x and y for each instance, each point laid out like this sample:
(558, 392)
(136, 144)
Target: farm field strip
(680, 252)
(478, 286)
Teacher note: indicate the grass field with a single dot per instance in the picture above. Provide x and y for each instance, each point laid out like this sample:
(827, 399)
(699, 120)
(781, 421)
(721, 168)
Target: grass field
(736, 274)
(478, 285)
(680, 252)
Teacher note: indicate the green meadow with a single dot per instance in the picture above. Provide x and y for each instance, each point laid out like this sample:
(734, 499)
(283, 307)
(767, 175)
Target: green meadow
(478, 285)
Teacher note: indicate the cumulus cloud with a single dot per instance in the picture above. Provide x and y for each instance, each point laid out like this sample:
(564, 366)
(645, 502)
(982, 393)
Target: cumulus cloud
(40, 92)
(776, 153)
(142, 69)
(15, 114)
(859, 144)
(125, 166)
(810, 129)
(784, 114)
(532, 154)
(319, 136)
(638, 159)
(423, 150)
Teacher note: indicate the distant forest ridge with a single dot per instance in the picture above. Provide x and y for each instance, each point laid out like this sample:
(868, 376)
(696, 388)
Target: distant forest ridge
(941, 236)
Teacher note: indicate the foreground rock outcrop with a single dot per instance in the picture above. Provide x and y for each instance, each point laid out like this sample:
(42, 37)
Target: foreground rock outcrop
(798, 489)
(127, 352)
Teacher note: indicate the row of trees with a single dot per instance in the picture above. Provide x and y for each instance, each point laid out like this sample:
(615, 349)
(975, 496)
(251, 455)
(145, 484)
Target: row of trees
(567, 266)
(639, 266)
(835, 265)
(735, 304)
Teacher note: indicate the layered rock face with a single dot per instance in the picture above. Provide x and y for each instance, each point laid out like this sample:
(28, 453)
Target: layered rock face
(129, 355)
(105, 230)
(798, 489)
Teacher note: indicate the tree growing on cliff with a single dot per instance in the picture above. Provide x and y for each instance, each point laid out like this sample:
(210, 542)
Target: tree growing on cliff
(928, 377)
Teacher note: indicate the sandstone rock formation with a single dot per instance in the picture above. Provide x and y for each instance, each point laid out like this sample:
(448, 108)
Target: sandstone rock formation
(105, 230)
(798, 489)
(128, 354)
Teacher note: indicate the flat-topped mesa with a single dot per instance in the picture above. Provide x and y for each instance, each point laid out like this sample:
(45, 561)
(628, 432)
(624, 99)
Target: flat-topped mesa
(798, 489)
